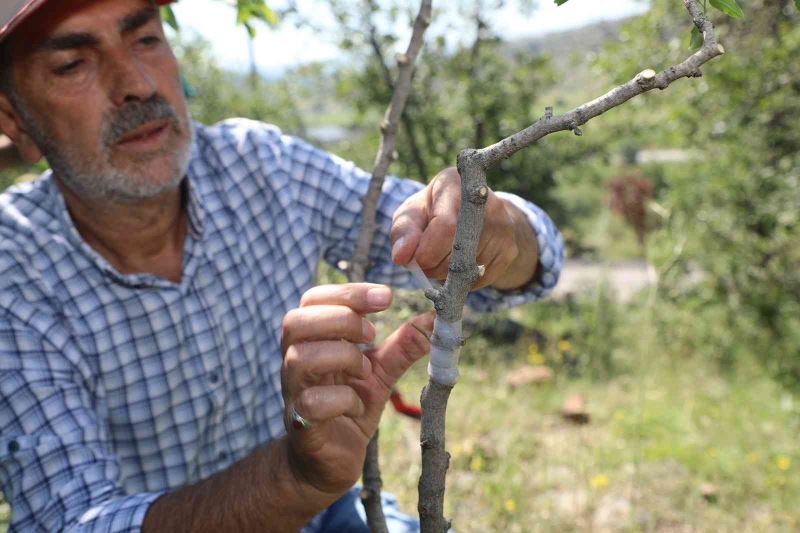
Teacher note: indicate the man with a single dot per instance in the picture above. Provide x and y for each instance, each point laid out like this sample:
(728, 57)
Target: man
(156, 372)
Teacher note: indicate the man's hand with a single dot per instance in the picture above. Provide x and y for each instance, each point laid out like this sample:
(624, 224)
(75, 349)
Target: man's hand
(424, 227)
(330, 383)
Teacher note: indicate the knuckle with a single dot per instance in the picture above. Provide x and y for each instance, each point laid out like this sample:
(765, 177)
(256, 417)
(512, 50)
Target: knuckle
(445, 223)
(291, 359)
(350, 324)
(289, 319)
(510, 253)
(313, 293)
(307, 401)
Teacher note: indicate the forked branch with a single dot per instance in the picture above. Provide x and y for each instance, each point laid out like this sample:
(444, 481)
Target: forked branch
(464, 271)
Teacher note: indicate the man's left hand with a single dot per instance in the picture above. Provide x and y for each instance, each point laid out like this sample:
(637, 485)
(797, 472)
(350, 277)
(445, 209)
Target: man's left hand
(424, 227)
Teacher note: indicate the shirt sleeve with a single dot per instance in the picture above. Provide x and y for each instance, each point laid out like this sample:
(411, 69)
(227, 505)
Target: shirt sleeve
(57, 468)
(332, 189)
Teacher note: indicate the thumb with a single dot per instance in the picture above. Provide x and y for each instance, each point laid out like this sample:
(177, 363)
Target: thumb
(408, 223)
(403, 348)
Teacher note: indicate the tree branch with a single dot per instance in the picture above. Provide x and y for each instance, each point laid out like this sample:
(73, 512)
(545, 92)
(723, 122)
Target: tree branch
(388, 138)
(464, 271)
(645, 81)
(371, 493)
(408, 125)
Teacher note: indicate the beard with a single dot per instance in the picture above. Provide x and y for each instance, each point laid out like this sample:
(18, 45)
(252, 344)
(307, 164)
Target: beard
(96, 176)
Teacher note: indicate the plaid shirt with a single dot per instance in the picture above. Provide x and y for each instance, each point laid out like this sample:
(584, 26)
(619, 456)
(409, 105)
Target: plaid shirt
(116, 388)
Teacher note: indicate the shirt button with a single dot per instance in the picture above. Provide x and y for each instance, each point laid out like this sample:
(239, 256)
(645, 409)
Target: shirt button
(213, 378)
(13, 446)
(223, 456)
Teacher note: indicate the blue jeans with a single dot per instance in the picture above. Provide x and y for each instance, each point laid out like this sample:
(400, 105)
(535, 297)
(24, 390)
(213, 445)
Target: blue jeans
(347, 515)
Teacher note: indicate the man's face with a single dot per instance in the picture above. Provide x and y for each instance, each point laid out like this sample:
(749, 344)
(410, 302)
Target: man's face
(96, 87)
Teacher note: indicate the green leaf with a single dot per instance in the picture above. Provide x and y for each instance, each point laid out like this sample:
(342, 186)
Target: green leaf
(729, 7)
(797, 3)
(697, 39)
(562, 2)
(168, 16)
(249, 10)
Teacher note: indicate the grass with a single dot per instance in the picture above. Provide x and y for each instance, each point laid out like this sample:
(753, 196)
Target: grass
(661, 432)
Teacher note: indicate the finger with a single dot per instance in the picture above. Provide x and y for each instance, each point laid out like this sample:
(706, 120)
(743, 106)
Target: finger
(402, 349)
(445, 193)
(362, 298)
(325, 322)
(408, 223)
(319, 404)
(436, 241)
(433, 252)
(306, 363)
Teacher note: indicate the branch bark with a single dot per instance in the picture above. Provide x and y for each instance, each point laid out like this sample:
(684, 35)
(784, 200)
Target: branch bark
(464, 271)
(371, 493)
(408, 125)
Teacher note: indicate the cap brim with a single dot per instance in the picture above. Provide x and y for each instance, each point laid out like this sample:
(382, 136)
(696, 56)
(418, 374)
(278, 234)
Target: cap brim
(22, 9)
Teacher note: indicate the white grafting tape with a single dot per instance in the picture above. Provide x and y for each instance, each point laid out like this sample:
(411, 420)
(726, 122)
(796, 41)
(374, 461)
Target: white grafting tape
(419, 276)
(443, 366)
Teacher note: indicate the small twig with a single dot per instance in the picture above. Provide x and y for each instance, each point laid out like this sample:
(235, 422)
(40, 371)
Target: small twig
(464, 271)
(371, 492)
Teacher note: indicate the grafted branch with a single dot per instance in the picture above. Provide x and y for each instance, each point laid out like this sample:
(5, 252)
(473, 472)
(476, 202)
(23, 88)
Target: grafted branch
(371, 493)
(464, 271)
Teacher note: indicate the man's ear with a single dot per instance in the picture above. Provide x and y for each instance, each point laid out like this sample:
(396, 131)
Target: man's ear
(12, 125)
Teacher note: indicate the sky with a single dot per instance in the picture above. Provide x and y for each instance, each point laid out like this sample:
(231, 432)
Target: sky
(278, 49)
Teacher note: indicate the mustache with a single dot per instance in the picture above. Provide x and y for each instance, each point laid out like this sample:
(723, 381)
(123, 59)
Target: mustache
(119, 122)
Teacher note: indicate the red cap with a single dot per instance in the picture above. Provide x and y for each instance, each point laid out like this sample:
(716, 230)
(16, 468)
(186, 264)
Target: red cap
(13, 12)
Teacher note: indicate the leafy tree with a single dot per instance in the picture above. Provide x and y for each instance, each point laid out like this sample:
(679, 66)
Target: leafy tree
(733, 216)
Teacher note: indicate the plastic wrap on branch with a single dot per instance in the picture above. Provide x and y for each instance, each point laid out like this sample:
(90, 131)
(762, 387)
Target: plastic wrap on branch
(463, 272)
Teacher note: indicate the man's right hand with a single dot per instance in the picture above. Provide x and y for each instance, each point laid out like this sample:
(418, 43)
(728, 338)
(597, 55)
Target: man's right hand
(330, 383)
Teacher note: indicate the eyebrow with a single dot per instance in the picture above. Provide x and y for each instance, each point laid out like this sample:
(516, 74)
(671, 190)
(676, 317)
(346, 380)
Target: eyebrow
(69, 41)
(136, 20)
(128, 24)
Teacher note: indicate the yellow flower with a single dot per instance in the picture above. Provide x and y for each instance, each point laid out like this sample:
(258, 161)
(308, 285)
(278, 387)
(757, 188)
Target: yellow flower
(535, 358)
(783, 462)
(619, 415)
(457, 449)
(476, 465)
(564, 345)
(712, 452)
(510, 505)
(599, 481)
(753, 457)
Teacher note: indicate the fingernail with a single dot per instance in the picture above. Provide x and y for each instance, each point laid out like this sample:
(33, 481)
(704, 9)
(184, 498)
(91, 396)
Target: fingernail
(367, 329)
(366, 366)
(398, 244)
(379, 297)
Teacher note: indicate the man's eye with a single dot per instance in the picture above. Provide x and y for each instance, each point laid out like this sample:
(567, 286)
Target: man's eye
(68, 68)
(150, 40)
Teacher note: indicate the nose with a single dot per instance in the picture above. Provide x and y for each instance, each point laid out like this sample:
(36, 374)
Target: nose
(130, 80)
